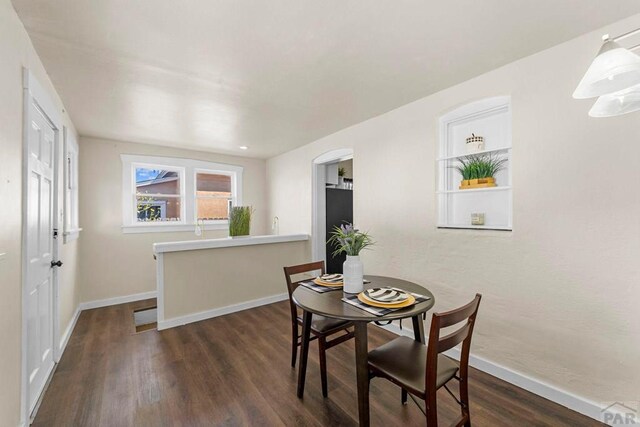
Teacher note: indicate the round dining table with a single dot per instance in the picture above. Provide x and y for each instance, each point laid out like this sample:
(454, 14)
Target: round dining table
(330, 304)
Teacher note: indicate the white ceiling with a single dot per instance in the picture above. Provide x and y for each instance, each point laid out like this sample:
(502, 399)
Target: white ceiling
(277, 74)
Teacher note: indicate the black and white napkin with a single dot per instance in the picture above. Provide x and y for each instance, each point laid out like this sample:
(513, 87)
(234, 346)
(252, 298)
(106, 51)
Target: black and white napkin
(353, 300)
(319, 288)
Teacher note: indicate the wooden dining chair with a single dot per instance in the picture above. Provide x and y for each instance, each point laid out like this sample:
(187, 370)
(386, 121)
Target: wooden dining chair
(421, 370)
(321, 327)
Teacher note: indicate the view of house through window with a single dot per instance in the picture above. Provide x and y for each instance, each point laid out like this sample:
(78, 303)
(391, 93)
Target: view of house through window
(213, 196)
(171, 194)
(157, 195)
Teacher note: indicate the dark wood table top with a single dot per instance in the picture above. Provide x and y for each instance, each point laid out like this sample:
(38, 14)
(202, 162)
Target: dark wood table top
(330, 304)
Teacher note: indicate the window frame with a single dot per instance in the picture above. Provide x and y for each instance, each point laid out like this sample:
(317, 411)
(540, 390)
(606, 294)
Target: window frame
(71, 230)
(189, 168)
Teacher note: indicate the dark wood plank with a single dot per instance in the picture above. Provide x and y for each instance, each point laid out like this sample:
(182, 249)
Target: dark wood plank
(236, 370)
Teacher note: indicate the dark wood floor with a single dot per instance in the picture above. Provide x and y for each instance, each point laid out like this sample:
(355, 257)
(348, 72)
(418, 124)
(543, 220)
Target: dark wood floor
(234, 370)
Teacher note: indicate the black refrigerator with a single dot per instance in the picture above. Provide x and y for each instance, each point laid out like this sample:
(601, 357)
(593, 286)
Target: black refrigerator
(339, 211)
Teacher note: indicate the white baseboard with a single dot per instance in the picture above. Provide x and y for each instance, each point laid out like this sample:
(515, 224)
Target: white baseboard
(64, 339)
(562, 397)
(117, 300)
(208, 314)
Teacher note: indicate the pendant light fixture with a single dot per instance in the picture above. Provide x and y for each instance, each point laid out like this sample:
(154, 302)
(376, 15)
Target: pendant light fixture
(614, 77)
(614, 68)
(618, 103)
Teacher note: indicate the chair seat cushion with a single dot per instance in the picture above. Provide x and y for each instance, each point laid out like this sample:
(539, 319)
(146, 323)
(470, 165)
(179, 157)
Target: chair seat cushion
(404, 360)
(323, 324)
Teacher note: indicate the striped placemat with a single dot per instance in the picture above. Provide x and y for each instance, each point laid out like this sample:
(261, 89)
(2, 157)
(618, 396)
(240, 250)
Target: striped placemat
(319, 288)
(379, 311)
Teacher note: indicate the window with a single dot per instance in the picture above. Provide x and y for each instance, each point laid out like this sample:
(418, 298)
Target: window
(213, 196)
(71, 227)
(158, 194)
(169, 194)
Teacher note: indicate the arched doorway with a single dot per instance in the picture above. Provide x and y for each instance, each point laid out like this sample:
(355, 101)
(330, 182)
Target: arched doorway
(324, 176)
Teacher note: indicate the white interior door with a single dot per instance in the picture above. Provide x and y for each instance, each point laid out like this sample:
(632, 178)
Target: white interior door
(39, 292)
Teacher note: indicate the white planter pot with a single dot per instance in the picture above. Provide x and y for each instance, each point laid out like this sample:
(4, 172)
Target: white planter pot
(352, 275)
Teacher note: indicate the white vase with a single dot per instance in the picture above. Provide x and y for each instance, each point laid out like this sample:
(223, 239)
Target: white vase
(352, 275)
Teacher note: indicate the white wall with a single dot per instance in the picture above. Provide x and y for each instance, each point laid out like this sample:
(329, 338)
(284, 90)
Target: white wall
(16, 51)
(561, 291)
(114, 264)
(208, 279)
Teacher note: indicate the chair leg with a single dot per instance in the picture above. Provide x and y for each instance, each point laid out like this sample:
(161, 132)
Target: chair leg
(404, 397)
(322, 344)
(431, 410)
(294, 344)
(464, 399)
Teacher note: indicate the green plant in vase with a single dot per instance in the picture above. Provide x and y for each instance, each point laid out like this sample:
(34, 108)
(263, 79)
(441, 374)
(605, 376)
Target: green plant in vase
(348, 239)
(240, 221)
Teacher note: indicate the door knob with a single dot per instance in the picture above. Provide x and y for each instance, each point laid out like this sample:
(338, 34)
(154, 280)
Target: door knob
(56, 263)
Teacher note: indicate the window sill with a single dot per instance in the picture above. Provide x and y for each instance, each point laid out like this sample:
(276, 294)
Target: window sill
(71, 235)
(227, 242)
(169, 228)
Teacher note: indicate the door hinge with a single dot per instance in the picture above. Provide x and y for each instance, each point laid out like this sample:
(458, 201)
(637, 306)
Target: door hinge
(55, 233)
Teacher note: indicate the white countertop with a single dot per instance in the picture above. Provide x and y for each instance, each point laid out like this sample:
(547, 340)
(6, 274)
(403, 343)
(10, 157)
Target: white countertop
(192, 245)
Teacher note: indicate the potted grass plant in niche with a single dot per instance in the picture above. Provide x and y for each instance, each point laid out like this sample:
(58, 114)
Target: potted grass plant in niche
(479, 170)
(351, 241)
(240, 221)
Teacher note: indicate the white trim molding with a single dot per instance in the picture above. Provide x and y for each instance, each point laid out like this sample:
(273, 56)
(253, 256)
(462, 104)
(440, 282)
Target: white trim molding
(88, 305)
(64, 338)
(71, 185)
(169, 227)
(221, 311)
(538, 387)
(227, 242)
(318, 199)
(31, 84)
(160, 286)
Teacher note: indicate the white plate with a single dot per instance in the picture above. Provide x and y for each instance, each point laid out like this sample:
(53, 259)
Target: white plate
(331, 278)
(385, 295)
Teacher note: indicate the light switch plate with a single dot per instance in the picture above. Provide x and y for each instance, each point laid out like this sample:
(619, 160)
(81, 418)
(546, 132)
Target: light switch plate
(2, 256)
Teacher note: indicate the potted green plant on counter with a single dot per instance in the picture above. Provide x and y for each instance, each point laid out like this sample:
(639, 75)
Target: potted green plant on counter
(240, 221)
(351, 241)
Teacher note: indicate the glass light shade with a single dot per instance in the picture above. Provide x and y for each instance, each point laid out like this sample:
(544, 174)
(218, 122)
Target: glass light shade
(614, 69)
(616, 104)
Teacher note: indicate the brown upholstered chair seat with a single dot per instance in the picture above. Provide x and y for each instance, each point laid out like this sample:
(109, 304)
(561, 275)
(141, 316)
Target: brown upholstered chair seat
(403, 361)
(324, 324)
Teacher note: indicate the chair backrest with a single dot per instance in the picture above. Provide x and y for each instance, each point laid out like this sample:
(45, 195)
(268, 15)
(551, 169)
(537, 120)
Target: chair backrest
(299, 269)
(438, 344)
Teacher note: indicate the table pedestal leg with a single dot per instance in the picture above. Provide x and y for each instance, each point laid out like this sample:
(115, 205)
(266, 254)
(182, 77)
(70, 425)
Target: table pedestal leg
(418, 329)
(362, 371)
(304, 352)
